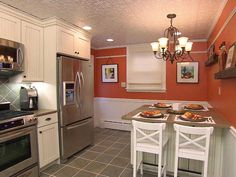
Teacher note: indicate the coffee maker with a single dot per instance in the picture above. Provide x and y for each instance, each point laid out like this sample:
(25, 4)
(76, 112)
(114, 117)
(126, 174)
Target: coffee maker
(28, 98)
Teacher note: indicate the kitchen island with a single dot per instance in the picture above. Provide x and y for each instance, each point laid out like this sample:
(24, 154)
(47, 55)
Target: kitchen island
(216, 143)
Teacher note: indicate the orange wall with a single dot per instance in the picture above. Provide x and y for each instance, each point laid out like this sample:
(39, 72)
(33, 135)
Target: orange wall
(174, 91)
(225, 103)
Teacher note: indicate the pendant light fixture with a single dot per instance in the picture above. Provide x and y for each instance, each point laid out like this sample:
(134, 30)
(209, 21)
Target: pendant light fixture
(166, 50)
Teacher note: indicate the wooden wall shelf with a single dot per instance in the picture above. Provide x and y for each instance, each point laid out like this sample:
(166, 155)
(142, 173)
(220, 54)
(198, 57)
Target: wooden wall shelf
(226, 74)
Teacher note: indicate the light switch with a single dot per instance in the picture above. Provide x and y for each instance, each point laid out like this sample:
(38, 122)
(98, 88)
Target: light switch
(123, 84)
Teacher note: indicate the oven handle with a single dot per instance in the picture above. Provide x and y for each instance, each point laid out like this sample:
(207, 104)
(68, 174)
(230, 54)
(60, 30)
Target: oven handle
(21, 132)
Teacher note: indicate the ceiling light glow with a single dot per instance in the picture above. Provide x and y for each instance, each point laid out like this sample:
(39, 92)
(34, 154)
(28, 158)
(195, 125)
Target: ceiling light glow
(88, 28)
(109, 40)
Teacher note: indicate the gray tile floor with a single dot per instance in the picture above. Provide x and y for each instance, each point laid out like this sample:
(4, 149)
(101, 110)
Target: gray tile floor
(109, 157)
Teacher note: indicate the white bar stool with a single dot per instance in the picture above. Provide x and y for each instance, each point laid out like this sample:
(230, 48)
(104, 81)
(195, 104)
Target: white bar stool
(148, 137)
(195, 146)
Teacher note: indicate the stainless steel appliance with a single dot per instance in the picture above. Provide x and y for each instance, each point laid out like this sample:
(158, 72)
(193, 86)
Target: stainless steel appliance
(18, 143)
(28, 98)
(11, 58)
(75, 103)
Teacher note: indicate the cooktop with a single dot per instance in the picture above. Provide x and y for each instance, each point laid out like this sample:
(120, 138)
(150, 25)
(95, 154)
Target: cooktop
(8, 114)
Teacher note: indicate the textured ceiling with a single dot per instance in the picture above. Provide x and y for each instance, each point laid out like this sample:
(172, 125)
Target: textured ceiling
(128, 21)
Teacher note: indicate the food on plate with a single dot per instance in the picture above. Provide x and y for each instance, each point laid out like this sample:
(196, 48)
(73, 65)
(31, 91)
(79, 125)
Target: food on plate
(162, 105)
(192, 116)
(194, 106)
(151, 113)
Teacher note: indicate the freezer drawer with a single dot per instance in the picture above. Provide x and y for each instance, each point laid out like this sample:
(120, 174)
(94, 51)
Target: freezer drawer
(75, 137)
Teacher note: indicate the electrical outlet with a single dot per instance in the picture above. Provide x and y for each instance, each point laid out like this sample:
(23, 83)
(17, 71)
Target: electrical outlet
(219, 91)
(123, 84)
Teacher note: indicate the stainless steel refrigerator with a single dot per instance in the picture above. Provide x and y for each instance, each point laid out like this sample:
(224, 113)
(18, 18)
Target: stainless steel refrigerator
(75, 103)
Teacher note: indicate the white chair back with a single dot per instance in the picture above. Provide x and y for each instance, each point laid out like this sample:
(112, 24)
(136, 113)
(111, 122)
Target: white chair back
(200, 138)
(150, 133)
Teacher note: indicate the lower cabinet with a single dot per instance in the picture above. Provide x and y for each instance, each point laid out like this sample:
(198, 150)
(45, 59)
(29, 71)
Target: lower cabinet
(48, 143)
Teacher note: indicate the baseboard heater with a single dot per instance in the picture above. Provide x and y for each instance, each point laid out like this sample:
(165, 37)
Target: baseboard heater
(119, 125)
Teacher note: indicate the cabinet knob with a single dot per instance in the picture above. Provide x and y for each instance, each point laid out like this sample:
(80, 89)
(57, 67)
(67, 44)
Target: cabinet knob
(48, 119)
(78, 52)
(40, 132)
(75, 52)
(24, 76)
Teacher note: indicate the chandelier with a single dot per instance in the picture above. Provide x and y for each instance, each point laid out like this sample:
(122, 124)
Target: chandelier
(180, 47)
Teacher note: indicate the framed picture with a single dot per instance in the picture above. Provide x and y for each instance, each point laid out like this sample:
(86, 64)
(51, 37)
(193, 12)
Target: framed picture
(231, 57)
(110, 73)
(187, 72)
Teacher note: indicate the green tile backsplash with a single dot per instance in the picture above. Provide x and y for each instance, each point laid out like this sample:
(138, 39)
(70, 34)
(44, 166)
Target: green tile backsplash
(10, 91)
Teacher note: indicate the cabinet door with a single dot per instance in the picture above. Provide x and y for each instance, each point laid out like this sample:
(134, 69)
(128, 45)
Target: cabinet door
(32, 38)
(9, 27)
(83, 46)
(66, 40)
(48, 144)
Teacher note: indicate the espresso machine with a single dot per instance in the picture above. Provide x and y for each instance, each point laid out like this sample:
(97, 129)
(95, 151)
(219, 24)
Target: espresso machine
(28, 99)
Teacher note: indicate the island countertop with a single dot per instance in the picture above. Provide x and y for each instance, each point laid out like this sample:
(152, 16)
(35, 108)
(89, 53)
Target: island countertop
(220, 122)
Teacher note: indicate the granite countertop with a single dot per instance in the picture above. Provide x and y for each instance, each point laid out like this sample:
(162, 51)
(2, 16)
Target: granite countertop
(220, 122)
(42, 112)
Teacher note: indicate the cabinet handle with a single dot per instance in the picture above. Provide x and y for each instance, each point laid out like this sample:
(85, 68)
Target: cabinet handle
(48, 119)
(75, 52)
(40, 132)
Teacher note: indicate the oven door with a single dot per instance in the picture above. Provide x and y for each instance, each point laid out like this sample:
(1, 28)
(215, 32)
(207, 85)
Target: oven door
(18, 150)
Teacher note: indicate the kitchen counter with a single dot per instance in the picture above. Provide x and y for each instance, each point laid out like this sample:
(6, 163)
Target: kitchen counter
(42, 112)
(220, 122)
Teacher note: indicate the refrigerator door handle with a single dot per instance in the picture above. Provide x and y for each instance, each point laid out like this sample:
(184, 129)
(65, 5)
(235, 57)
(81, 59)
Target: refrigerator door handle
(77, 79)
(78, 125)
(82, 76)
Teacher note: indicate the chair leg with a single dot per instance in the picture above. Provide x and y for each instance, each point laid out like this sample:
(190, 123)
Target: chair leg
(141, 165)
(159, 164)
(134, 164)
(205, 169)
(176, 166)
(165, 157)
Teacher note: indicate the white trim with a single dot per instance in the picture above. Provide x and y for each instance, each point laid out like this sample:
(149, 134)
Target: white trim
(217, 17)
(224, 25)
(233, 131)
(111, 56)
(204, 51)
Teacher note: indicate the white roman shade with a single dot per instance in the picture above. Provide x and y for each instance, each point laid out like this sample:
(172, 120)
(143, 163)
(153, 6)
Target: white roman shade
(144, 72)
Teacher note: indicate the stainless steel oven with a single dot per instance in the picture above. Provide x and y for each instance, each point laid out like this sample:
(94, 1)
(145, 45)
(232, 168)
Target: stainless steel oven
(18, 143)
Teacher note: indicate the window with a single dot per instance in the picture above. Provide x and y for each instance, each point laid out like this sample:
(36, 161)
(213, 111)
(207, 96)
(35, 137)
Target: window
(144, 72)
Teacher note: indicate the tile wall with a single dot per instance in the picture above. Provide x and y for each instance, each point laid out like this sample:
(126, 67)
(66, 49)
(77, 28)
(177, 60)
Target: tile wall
(10, 91)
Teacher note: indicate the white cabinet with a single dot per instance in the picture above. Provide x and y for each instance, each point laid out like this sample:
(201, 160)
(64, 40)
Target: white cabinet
(32, 38)
(48, 143)
(73, 43)
(10, 27)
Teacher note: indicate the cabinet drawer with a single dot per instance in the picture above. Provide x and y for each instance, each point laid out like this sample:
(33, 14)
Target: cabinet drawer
(47, 119)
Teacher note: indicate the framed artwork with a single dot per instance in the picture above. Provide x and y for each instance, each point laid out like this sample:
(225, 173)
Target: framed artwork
(231, 57)
(110, 73)
(187, 72)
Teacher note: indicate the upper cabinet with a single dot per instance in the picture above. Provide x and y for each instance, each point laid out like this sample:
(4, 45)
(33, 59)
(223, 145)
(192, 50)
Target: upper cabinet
(32, 38)
(73, 43)
(10, 27)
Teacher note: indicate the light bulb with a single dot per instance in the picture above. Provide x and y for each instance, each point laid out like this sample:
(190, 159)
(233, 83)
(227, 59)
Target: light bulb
(163, 42)
(182, 41)
(155, 46)
(188, 46)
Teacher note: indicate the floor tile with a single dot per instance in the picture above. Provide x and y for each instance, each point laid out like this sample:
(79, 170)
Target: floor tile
(106, 143)
(80, 162)
(117, 146)
(98, 148)
(127, 173)
(121, 162)
(66, 172)
(90, 155)
(125, 153)
(112, 151)
(95, 167)
(84, 173)
(112, 171)
(104, 158)
(44, 175)
(54, 168)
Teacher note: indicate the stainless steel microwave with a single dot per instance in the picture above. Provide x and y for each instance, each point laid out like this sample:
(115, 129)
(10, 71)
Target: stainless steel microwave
(11, 58)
